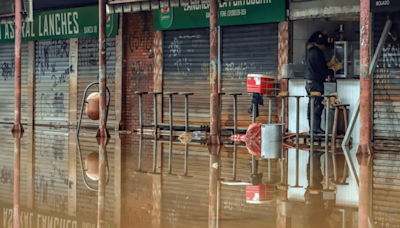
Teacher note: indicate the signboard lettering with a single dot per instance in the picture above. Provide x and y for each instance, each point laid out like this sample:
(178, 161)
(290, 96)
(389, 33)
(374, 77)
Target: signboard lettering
(382, 6)
(230, 13)
(61, 24)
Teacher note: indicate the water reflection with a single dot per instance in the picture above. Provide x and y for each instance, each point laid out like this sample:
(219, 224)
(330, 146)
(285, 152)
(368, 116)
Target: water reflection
(201, 176)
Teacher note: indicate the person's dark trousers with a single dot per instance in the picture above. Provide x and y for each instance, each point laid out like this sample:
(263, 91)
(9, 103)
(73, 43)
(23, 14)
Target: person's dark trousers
(314, 86)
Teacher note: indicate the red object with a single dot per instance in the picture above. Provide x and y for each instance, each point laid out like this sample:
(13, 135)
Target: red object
(257, 83)
(92, 106)
(259, 194)
(252, 139)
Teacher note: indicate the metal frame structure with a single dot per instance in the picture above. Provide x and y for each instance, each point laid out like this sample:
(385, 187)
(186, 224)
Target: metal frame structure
(77, 136)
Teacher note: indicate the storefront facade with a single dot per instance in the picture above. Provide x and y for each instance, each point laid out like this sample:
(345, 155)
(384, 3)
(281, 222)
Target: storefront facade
(248, 44)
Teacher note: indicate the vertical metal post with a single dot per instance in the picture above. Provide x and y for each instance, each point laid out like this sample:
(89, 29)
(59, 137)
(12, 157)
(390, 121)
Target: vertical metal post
(312, 141)
(213, 185)
(155, 115)
(269, 110)
(186, 113)
(102, 133)
(283, 134)
(234, 132)
(327, 142)
(297, 141)
(365, 150)
(17, 130)
(214, 97)
(253, 157)
(334, 133)
(140, 113)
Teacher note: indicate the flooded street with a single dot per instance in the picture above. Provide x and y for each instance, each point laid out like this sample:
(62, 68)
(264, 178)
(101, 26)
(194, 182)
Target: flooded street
(179, 192)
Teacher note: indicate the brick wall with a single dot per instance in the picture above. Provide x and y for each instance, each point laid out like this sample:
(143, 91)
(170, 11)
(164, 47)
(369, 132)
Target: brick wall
(138, 63)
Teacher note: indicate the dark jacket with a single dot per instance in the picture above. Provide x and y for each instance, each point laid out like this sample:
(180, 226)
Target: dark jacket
(316, 68)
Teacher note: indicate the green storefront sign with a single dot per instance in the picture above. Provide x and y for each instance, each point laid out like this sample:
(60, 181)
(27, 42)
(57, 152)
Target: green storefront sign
(229, 13)
(61, 24)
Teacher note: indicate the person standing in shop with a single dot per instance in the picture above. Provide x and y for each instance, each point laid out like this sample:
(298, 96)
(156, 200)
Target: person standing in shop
(316, 72)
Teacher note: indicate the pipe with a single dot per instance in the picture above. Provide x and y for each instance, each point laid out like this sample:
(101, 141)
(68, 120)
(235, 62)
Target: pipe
(17, 130)
(365, 113)
(213, 191)
(103, 115)
(214, 96)
(328, 104)
(312, 141)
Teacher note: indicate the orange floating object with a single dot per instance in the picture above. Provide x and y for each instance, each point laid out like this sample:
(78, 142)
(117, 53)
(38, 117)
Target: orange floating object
(92, 166)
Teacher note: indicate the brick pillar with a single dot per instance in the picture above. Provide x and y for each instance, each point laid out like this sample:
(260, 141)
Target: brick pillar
(138, 75)
(283, 58)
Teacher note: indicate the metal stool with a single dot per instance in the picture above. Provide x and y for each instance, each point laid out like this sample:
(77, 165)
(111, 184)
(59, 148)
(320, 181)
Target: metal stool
(234, 132)
(185, 172)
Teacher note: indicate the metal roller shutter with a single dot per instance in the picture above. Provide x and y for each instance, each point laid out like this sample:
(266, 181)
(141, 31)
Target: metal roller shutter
(247, 49)
(386, 131)
(7, 166)
(52, 82)
(185, 201)
(88, 72)
(51, 169)
(186, 69)
(86, 199)
(7, 69)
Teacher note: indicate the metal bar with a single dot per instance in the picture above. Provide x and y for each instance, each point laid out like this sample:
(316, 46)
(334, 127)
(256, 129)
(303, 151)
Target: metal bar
(170, 156)
(365, 115)
(185, 171)
(213, 191)
(380, 46)
(17, 67)
(334, 132)
(155, 154)
(312, 141)
(140, 152)
(283, 168)
(17, 130)
(103, 115)
(186, 113)
(234, 132)
(253, 157)
(171, 124)
(17, 188)
(269, 170)
(297, 139)
(351, 125)
(327, 142)
(141, 112)
(270, 110)
(155, 116)
(365, 82)
(214, 77)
